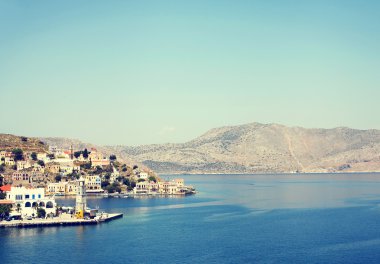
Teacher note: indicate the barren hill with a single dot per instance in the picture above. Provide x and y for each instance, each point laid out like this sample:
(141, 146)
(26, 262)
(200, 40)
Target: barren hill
(10, 142)
(264, 148)
(246, 148)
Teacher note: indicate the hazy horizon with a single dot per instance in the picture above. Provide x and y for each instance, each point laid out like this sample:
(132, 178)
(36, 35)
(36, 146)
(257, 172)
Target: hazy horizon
(133, 73)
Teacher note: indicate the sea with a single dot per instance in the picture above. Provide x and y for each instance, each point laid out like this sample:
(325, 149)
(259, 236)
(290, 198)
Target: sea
(272, 218)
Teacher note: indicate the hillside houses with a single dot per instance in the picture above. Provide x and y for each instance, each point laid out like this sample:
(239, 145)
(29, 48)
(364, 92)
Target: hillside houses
(56, 169)
(28, 177)
(97, 159)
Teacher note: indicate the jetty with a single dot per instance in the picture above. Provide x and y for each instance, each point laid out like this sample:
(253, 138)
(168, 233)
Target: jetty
(63, 220)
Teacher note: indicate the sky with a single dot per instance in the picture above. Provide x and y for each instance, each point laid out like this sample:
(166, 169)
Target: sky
(143, 72)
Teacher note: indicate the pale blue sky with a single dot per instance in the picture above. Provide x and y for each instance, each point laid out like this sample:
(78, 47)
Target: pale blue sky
(141, 72)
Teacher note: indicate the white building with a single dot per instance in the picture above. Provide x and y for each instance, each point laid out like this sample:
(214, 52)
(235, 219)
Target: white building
(174, 187)
(53, 149)
(93, 184)
(114, 175)
(21, 164)
(9, 161)
(143, 175)
(27, 200)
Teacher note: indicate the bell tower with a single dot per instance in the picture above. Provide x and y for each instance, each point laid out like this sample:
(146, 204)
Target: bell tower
(71, 152)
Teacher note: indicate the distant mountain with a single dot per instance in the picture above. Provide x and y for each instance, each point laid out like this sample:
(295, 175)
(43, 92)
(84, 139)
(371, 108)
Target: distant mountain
(264, 148)
(250, 148)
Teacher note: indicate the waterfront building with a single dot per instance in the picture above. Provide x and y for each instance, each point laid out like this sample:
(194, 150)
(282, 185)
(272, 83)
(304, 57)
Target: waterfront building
(180, 182)
(71, 188)
(62, 188)
(174, 187)
(57, 188)
(93, 184)
(26, 201)
(168, 187)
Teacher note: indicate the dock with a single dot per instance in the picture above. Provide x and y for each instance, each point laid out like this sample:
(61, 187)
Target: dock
(64, 220)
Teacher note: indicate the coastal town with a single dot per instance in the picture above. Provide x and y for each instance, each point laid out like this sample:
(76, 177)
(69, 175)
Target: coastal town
(30, 181)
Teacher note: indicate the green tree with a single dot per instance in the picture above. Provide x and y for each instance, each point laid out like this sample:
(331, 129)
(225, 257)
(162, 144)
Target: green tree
(77, 154)
(86, 166)
(18, 154)
(140, 180)
(85, 153)
(58, 178)
(135, 167)
(34, 156)
(107, 176)
(2, 195)
(98, 170)
(41, 213)
(104, 184)
(152, 178)
(24, 139)
(126, 182)
(2, 169)
(41, 163)
(5, 209)
(113, 157)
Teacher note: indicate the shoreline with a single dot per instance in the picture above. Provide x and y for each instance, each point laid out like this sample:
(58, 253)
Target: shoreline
(267, 173)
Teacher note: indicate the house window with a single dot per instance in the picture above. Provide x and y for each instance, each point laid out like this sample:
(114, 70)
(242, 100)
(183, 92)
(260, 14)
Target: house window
(18, 197)
(39, 196)
(33, 196)
(26, 196)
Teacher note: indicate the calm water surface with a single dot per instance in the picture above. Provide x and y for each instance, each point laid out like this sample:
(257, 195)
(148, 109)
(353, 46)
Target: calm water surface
(298, 218)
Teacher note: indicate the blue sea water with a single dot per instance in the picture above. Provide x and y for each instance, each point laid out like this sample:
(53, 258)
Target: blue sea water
(296, 218)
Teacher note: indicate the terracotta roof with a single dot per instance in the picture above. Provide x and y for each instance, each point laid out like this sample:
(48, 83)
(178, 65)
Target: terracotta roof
(6, 188)
(6, 202)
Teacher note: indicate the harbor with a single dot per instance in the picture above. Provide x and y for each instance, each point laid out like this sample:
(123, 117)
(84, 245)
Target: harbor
(33, 209)
(63, 220)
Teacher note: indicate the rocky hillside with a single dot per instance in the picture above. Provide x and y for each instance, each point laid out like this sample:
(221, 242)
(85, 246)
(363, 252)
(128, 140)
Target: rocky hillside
(264, 148)
(10, 142)
(242, 149)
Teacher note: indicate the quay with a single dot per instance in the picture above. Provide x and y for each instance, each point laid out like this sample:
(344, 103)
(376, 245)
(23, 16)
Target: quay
(64, 220)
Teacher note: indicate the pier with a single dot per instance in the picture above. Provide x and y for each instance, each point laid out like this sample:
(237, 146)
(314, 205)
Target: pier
(64, 220)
